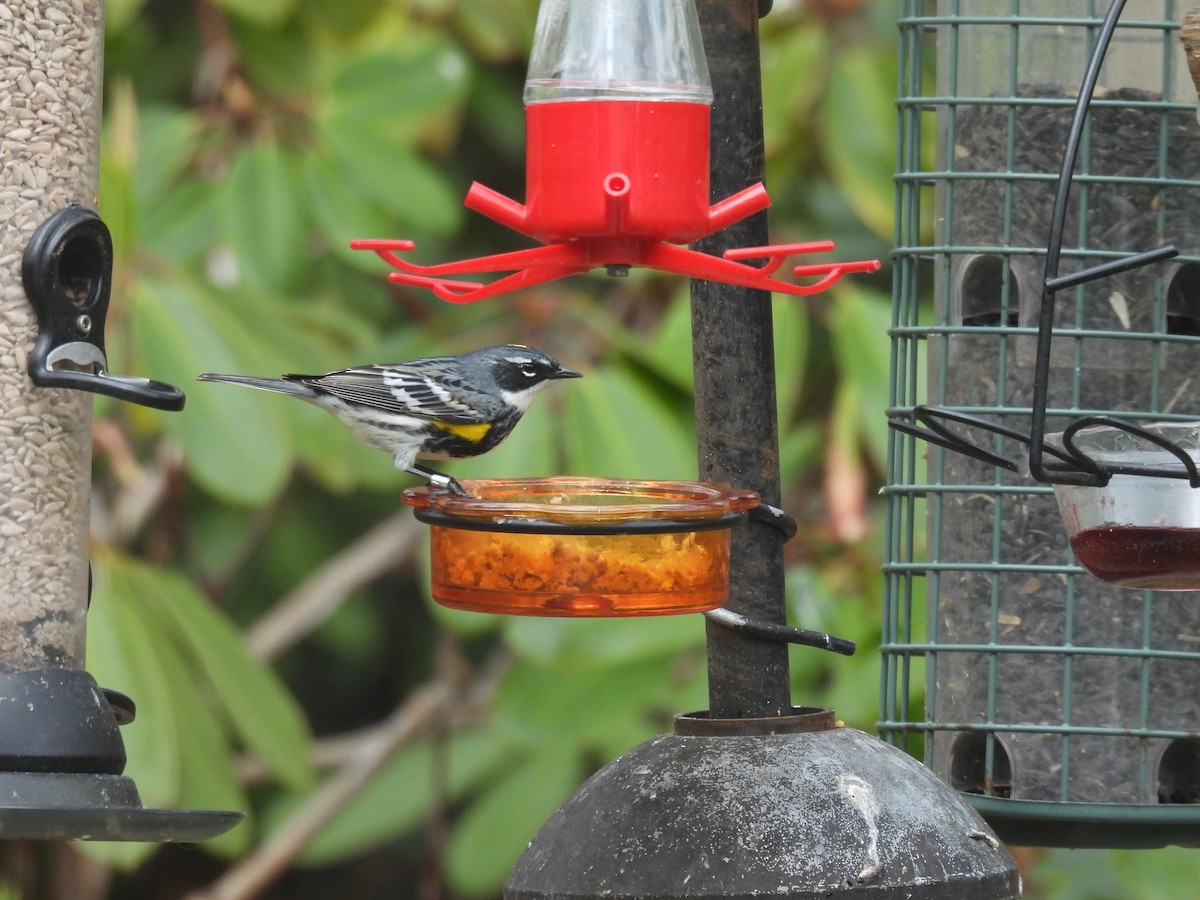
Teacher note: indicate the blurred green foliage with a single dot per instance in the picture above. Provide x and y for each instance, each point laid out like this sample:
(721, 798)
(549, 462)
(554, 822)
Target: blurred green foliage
(246, 143)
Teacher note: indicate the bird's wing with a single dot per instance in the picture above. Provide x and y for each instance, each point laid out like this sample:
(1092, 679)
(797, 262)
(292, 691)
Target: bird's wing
(429, 391)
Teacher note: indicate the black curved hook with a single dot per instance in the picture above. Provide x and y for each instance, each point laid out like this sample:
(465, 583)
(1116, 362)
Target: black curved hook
(1052, 282)
(1070, 464)
(780, 634)
(67, 273)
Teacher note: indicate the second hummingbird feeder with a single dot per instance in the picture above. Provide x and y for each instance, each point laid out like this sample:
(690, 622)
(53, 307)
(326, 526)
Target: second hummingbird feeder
(581, 546)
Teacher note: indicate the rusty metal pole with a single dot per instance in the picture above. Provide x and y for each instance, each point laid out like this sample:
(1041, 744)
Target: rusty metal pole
(733, 354)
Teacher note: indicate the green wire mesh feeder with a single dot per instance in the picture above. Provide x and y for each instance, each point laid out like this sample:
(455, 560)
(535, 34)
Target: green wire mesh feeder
(1064, 707)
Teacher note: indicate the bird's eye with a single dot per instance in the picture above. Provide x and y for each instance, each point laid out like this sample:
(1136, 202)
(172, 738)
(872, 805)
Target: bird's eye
(529, 370)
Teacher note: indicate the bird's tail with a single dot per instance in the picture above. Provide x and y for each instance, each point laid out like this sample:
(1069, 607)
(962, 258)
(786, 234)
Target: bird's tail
(278, 385)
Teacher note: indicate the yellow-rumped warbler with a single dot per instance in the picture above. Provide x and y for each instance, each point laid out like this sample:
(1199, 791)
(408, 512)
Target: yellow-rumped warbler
(438, 407)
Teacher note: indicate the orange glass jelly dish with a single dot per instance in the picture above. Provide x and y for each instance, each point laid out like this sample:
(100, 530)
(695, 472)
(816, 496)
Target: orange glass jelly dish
(580, 546)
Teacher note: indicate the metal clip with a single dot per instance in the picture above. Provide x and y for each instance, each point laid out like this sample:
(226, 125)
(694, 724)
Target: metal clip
(67, 272)
(782, 634)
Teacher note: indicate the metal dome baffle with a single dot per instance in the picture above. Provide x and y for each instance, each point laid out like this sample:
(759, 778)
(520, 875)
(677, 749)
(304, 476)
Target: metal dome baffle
(61, 755)
(753, 797)
(1064, 707)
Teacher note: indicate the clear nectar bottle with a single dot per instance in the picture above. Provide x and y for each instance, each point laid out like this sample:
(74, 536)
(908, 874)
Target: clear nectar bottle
(618, 50)
(617, 110)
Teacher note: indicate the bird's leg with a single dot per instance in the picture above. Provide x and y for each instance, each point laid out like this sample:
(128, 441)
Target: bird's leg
(438, 480)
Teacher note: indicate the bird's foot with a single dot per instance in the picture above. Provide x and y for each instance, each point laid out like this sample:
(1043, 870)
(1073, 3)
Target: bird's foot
(447, 483)
(439, 480)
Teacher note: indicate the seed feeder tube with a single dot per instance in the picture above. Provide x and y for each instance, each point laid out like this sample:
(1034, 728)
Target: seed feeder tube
(62, 758)
(1057, 703)
(580, 547)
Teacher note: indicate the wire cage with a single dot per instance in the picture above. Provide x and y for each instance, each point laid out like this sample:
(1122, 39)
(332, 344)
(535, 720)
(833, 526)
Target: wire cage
(1063, 707)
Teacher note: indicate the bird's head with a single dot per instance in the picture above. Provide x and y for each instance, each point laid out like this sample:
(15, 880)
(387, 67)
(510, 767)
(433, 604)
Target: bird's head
(520, 372)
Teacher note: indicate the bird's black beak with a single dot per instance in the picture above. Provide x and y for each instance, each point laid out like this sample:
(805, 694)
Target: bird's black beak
(564, 372)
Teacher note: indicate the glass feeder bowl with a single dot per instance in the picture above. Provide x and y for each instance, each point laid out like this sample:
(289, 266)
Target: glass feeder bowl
(580, 546)
(1138, 531)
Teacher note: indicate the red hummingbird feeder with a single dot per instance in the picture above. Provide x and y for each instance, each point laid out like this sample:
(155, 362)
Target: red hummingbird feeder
(617, 106)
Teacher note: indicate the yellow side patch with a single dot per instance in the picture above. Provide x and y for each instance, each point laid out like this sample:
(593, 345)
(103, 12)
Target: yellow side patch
(473, 433)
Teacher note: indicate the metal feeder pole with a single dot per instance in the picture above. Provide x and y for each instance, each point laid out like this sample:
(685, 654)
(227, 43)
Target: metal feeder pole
(61, 754)
(733, 355)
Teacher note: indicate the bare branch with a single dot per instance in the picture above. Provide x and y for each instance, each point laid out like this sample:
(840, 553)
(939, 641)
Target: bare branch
(386, 546)
(260, 869)
(441, 704)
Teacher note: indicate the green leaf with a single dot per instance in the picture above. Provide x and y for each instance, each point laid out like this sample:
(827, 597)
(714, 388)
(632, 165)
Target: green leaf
(800, 450)
(495, 829)
(859, 323)
(343, 215)
(118, 14)
(126, 654)
(592, 642)
(235, 440)
(615, 426)
(793, 73)
(183, 224)
(396, 180)
(400, 799)
(118, 181)
(380, 90)
(669, 351)
(260, 12)
(325, 446)
(208, 778)
(1116, 874)
(497, 30)
(395, 803)
(167, 141)
(350, 18)
(859, 119)
(263, 217)
(585, 705)
(495, 108)
(264, 715)
(790, 321)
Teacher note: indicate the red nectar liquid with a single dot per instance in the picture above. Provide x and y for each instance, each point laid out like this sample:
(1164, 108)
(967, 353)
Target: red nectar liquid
(1155, 557)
